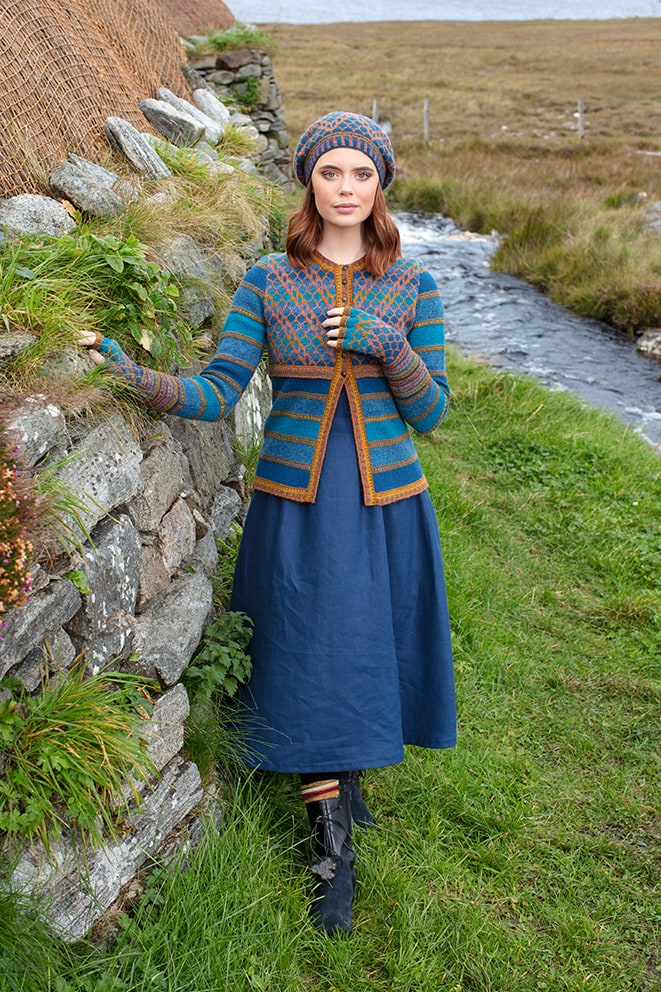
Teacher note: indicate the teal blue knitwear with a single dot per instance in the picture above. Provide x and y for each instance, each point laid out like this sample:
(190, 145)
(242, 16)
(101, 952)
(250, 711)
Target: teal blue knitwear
(390, 360)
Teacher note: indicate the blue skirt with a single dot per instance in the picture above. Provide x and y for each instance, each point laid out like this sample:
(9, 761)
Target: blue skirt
(351, 648)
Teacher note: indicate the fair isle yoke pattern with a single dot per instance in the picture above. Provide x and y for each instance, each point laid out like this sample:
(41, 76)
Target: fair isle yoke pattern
(390, 361)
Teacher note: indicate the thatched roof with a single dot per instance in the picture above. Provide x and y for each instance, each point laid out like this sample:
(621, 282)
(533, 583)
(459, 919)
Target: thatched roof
(197, 16)
(66, 65)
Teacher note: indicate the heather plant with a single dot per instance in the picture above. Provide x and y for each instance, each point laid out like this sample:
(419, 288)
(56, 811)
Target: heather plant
(17, 503)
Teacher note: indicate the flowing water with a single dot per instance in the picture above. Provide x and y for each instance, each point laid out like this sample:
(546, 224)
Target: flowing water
(322, 12)
(510, 325)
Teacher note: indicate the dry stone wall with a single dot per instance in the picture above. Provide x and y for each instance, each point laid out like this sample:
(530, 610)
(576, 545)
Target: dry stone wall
(153, 512)
(246, 75)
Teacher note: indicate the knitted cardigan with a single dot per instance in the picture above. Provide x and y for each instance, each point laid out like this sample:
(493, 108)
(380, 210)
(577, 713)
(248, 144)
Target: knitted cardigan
(390, 359)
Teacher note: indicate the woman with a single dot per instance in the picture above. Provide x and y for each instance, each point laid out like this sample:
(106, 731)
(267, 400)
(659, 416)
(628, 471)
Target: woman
(340, 563)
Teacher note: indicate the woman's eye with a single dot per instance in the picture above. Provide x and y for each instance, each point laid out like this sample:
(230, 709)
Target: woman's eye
(329, 174)
(363, 175)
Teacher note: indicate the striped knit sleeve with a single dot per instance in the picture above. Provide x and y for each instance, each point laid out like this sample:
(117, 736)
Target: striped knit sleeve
(213, 393)
(420, 382)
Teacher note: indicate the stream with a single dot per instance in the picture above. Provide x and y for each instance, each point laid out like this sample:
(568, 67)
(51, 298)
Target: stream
(510, 325)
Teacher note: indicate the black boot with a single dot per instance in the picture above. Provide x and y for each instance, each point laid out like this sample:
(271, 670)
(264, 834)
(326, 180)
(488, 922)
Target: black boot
(359, 812)
(333, 861)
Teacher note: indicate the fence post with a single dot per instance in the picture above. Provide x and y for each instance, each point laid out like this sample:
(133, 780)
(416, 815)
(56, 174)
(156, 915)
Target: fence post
(425, 120)
(581, 120)
(375, 111)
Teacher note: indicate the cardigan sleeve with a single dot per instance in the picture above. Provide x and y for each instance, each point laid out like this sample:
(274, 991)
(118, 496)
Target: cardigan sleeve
(213, 393)
(414, 364)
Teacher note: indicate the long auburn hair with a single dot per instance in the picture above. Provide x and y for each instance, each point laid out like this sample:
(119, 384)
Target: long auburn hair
(381, 234)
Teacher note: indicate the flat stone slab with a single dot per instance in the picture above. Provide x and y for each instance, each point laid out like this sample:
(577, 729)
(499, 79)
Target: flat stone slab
(179, 128)
(128, 140)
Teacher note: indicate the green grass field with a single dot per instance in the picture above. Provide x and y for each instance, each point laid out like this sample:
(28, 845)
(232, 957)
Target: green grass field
(528, 857)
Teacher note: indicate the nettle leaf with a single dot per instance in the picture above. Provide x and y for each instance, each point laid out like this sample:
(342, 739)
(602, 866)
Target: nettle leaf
(79, 580)
(115, 262)
(139, 290)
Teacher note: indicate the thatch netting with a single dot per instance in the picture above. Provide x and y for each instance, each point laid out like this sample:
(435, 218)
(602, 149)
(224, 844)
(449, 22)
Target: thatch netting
(66, 65)
(197, 16)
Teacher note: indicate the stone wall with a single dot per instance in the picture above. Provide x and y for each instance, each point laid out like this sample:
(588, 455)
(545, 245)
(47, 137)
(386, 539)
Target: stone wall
(247, 74)
(154, 512)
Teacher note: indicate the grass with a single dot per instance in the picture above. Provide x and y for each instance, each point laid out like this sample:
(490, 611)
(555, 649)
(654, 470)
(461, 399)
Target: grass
(504, 151)
(70, 754)
(528, 857)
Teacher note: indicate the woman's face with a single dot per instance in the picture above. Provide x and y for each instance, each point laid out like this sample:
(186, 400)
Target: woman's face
(344, 182)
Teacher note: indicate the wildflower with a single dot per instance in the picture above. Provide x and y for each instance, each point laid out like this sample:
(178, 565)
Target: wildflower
(16, 551)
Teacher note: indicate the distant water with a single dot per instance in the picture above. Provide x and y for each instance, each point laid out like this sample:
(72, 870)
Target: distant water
(322, 12)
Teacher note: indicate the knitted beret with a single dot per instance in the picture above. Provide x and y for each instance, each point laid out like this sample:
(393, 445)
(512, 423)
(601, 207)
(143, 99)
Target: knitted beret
(343, 130)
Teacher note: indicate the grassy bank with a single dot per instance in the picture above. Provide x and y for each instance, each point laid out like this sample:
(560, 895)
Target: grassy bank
(527, 858)
(504, 150)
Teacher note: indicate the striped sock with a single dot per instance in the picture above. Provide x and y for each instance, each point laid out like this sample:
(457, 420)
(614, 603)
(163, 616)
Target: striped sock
(314, 792)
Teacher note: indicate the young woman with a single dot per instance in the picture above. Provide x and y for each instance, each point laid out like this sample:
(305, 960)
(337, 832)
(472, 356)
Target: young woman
(340, 563)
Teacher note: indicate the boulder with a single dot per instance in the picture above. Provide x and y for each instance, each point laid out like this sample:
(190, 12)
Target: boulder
(213, 128)
(84, 192)
(43, 616)
(103, 471)
(253, 408)
(164, 733)
(78, 885)
(183, 257)
(233, 60)
(209, 450)
(209, 104)
(225, 507)
(161, 557)
(30, 213)
(14, 342)
(164, 476)
(104, 623)
(649, 344)
(57, 652)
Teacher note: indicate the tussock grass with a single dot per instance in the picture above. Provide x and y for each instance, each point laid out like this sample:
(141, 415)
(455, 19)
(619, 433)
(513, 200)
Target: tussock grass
(528, 857)
(504, 151)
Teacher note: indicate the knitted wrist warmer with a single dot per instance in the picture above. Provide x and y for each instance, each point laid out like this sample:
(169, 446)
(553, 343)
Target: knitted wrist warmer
(362, 332)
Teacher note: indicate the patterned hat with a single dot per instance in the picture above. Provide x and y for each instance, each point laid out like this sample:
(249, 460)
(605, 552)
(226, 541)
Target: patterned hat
(343, 130)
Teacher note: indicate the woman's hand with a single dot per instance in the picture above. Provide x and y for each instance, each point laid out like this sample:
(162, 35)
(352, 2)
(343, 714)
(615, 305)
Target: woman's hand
(332, 325)
(88, 339)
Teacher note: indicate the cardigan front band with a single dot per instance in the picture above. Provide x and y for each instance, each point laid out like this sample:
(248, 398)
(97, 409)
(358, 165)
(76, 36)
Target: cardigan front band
(390, 360)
